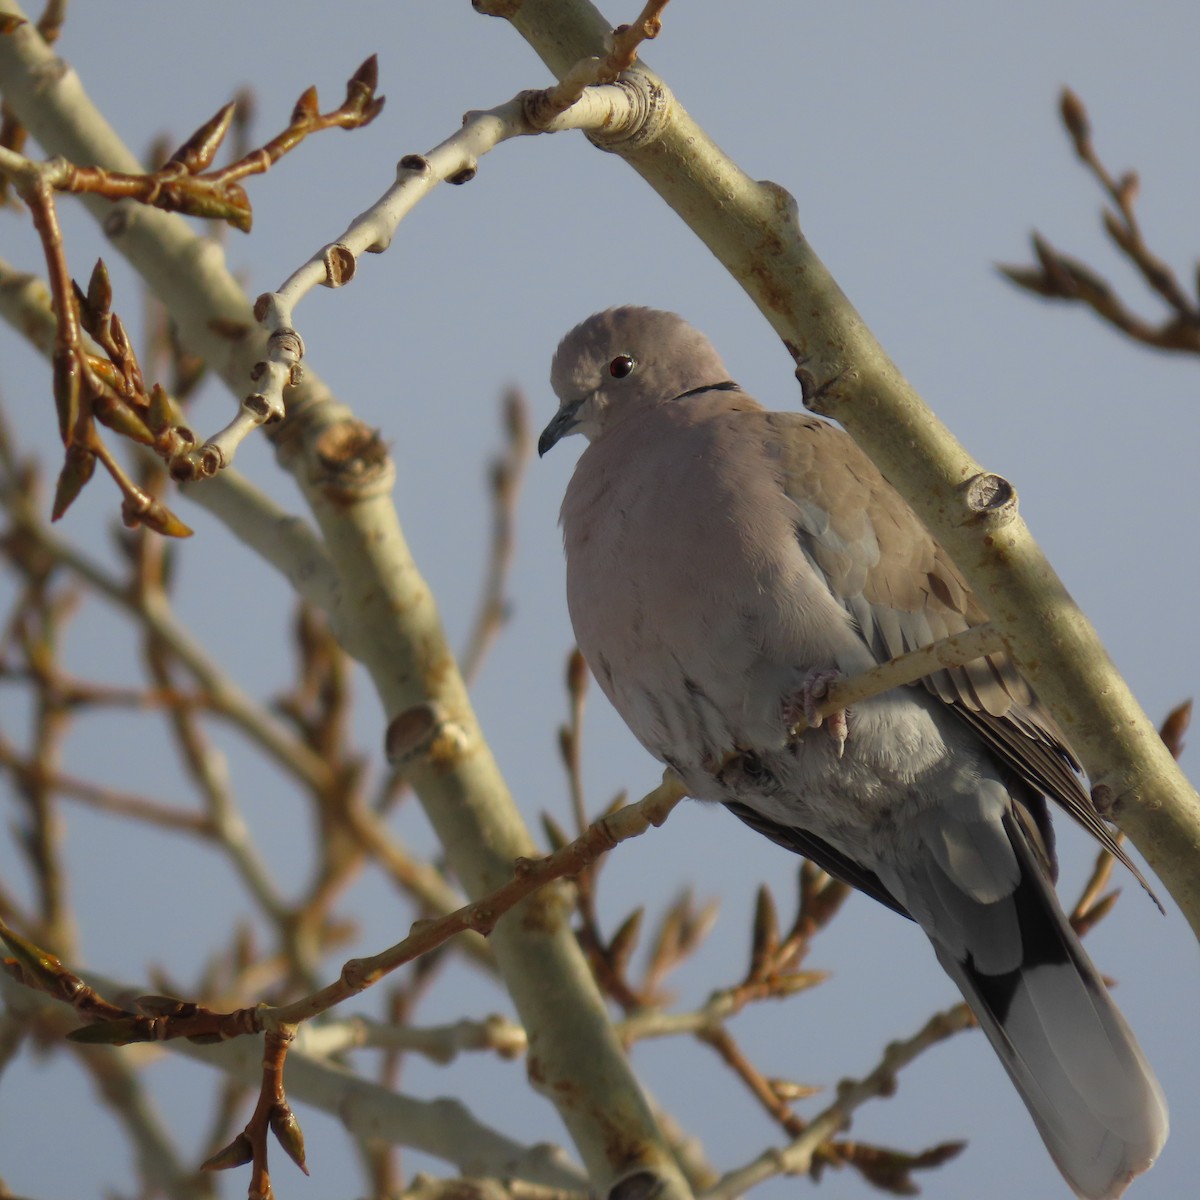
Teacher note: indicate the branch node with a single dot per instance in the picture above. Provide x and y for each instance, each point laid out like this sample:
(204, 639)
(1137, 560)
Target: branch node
(990, 498)
(1105, 800)
(353, 460)
(651, 104)
(340, 264)
(425, 731)
(642, 1185)
(356, 975)
(256, 403)
(418, 164)
(814, 392)
(287, 345)
(410, 732)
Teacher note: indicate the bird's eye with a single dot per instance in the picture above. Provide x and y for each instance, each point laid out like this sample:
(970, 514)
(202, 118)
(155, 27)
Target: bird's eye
(621, 366)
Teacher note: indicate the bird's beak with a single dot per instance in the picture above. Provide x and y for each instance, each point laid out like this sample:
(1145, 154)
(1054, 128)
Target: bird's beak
(562, 423)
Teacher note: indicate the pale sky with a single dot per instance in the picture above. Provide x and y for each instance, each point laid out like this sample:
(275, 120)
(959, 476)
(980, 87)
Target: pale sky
(922, 144)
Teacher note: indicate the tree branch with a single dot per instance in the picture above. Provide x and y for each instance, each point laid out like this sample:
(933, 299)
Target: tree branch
(844, 373)
(390, 623)
(442, 1128)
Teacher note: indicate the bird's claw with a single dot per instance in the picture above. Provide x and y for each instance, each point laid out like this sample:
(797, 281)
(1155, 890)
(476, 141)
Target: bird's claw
(806, 703)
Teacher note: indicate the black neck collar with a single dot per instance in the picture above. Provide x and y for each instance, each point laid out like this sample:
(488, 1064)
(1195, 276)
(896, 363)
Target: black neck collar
(726, 386)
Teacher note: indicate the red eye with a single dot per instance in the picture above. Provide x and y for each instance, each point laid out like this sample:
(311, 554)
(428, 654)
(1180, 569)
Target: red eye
(621, 366)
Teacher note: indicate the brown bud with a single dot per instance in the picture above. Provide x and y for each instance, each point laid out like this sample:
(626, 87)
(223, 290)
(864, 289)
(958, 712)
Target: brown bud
(360, 92)
(159, 517)
(307, 107)
(554, 832)
(66, 390)
(197, 153)
(566, 745)
(236, 1154)
(764, 944)
(1074, 116)
(286, 1129)
(99, 289)
(625, 940)
(122, 419)
(797, 981)
(114, 1033)
(43, 968)
(1175, 726)
(577, 674)
(788, 1091)
(77, 470)
(160, 415)
(367, 73)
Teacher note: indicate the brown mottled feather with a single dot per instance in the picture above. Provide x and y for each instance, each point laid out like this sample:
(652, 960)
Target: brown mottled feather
(910, 595)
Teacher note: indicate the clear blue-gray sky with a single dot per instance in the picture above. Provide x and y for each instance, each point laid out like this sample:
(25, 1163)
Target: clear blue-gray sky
(922, 145)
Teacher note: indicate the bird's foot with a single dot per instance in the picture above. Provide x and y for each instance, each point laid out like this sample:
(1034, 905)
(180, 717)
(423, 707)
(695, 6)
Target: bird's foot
(806, 703)
(743, 769)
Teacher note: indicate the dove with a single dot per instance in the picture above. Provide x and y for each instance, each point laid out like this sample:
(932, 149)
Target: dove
(724, 564)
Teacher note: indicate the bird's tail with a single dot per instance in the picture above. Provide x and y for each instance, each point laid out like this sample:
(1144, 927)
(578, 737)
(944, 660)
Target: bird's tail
(1065, 1045)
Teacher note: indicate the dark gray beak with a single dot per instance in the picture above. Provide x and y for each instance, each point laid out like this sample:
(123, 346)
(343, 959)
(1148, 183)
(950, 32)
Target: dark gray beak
(562, 423)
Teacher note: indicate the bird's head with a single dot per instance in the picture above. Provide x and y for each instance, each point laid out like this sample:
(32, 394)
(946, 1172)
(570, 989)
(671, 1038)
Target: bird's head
(620, 361)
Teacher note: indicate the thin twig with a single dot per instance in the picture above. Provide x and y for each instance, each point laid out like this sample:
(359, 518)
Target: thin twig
(797, 1158)
(964, 647)
(506, 475)
(1060, 277)
(163, 1019)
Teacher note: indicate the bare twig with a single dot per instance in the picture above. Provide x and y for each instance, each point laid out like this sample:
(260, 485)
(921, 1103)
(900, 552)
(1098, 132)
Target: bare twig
(799, 1157)
(13, 134)
(88, 388)
(110, 800)
(591, 72)
(441, 1044)
(272, 1115)
(482, 915)
(223, 695)
(1059, 277)
(907, 668)
(160, 1164)
(184, 184)
(506, 475)
(587, 99)
(164, 1019)
(111, 389)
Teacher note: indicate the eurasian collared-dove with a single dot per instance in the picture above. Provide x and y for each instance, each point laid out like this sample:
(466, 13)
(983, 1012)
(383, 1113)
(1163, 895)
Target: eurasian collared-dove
(722, 563)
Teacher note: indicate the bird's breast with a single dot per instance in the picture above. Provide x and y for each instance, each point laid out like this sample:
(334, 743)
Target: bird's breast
(689, 594)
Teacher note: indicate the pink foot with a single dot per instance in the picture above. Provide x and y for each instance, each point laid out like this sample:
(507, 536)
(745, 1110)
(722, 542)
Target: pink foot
(806, 703)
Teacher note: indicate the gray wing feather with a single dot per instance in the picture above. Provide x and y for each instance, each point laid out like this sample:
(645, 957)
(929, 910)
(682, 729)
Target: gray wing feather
(817, 850)
(904, 592)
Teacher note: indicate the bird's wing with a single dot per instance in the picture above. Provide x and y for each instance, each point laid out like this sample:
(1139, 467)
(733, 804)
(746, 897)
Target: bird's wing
(904, 592)
(829, 859)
